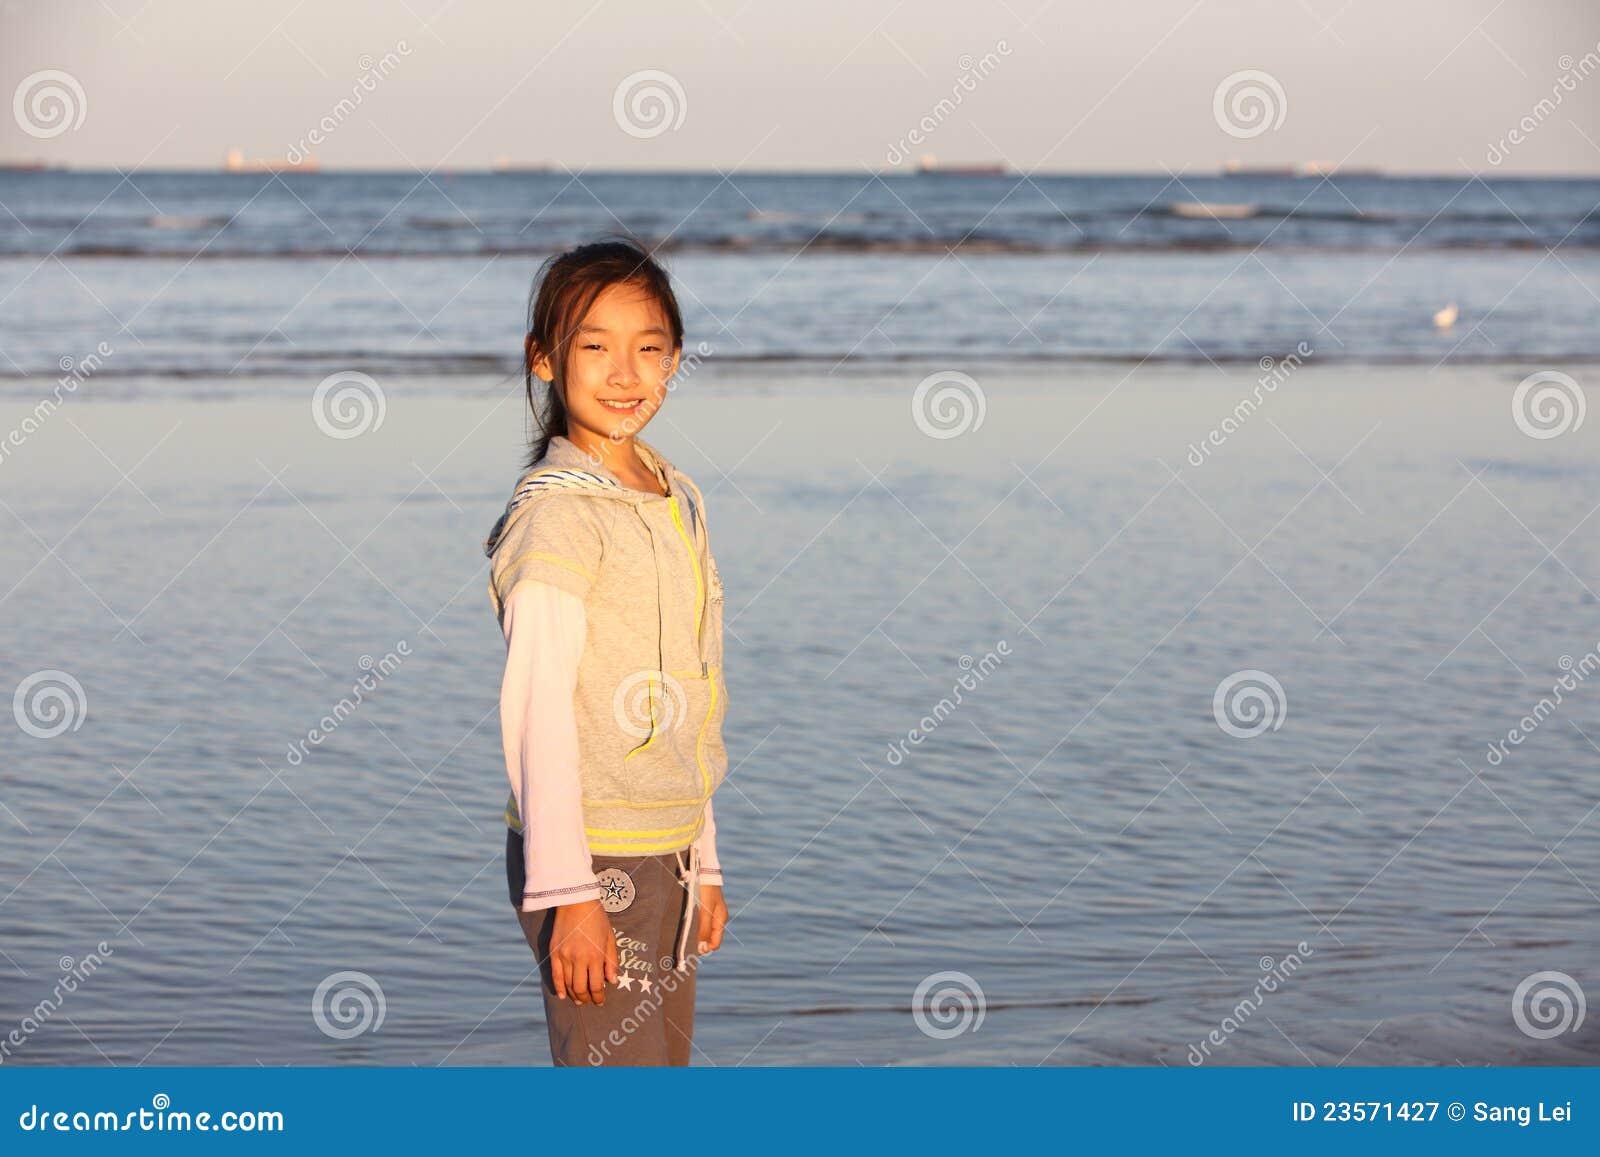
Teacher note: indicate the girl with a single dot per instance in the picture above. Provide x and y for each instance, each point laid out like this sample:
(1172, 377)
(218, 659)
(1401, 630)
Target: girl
(612, 702)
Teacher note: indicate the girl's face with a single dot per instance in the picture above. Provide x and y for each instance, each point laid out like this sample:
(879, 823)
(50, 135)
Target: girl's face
(618, 366)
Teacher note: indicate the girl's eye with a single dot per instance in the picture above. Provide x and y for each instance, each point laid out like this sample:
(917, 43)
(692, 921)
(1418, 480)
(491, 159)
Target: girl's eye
(592, 346)
(650, 349)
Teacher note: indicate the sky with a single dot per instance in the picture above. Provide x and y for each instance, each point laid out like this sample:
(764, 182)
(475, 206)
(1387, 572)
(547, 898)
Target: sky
(1406, 86)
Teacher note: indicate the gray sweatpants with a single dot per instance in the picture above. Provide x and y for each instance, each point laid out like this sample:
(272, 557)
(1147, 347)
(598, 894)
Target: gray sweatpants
(648, 1016)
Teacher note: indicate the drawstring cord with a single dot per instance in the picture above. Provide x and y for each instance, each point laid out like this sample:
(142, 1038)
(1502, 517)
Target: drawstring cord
(691, 881)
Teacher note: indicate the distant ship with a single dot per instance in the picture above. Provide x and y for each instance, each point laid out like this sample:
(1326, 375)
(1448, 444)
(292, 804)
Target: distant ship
(1303, 169)
(507, 165)
(237, 162)
(928, 163)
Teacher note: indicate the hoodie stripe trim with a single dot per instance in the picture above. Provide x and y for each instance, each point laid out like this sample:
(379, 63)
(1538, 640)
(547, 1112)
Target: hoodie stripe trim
(561, 480)
(633, 833)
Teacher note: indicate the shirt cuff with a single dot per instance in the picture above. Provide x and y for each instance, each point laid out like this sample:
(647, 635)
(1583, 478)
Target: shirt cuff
(555, 897)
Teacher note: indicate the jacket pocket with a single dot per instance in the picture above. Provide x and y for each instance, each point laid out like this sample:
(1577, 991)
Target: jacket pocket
(662, 712)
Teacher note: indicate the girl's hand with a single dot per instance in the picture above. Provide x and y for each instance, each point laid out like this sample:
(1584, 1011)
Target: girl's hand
(583, 952)
(713, 917)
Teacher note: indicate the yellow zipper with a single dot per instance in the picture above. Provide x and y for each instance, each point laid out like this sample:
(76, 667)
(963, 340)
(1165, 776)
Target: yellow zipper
(711, 680)
(694, 559)
(699, 600)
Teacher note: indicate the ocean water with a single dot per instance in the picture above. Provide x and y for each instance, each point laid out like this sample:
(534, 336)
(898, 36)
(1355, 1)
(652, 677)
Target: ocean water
(1084, 861)
(203, 283)
(1142, 629)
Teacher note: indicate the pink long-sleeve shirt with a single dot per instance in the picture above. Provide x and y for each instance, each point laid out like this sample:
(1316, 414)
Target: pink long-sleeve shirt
(545, 629)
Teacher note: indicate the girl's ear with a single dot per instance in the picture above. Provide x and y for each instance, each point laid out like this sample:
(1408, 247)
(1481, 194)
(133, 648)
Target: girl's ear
(537, 361)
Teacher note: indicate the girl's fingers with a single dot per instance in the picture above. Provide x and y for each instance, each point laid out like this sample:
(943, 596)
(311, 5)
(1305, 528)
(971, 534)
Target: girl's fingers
(597, 981)
(558, 977)
(712, 939)
(579, 984)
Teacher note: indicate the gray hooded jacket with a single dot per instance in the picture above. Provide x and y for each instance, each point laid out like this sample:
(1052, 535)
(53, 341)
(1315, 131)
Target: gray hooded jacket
(650, 697)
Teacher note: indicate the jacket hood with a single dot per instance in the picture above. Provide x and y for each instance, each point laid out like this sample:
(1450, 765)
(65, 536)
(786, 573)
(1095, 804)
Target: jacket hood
(566, 467)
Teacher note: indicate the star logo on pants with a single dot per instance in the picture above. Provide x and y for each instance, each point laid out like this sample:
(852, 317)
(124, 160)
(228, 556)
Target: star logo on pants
(625, 980)
(616, 890)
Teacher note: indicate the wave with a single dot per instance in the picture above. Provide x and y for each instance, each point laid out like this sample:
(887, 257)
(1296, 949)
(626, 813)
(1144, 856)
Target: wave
(441, 223)
(188, 221)
(302, 365)
(969, 243)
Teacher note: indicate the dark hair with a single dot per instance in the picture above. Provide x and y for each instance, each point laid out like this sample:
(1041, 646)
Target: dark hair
(564, 289)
